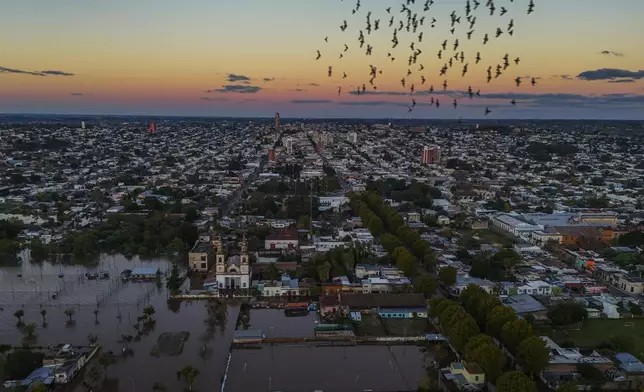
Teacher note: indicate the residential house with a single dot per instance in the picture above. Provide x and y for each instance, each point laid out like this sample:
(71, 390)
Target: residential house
(563, 363)
(524, 305)
(535, 287)
(201, 256)
(630, 284)
(285, 239)
(463, 281)
(632, 368)
(464, 374)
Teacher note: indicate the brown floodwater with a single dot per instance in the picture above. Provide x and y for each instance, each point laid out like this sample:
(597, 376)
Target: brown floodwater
(140, 371)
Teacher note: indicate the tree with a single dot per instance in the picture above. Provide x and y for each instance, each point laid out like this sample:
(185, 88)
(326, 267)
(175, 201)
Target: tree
(69, 312)
(490, 357)
(474, 343)
(173, 283)
(567, 313)
(19, 315)
(106, 360)
(376, 227)
(92, 339)
(515, 381)
(38, 387)
(43, 314)
(462, 331)
(176, 247)
(568, 387)
(513, 333)
(447, 276)
(426, 285)
(533, 355)
(272, 272)
(634, 309)
(38, 249)
(29, 330)
(497, 318)
(149, 311)
(188, 374)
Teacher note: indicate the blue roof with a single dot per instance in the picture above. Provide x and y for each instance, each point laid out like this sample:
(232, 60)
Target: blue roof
(145, 271)
(523, 303)
(41, 374)
(629, 363)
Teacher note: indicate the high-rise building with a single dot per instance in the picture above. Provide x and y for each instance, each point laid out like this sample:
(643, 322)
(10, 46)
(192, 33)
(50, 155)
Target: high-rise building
(430, 155)
(277, 122)
(288, 143)
(271, 154)
(352, 137)
(152, 128)
(82, 124)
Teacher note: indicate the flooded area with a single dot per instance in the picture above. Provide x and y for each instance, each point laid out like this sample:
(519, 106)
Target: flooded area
(274, 324)
(328, 369)
(207, 352)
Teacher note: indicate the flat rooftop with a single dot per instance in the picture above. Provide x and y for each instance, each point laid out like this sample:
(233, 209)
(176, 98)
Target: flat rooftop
(327, 369)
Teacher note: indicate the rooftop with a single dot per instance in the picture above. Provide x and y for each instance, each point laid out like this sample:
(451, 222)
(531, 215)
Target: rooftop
(523, 304)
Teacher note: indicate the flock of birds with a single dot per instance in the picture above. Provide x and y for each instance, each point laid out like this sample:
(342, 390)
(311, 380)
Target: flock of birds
(413, 22)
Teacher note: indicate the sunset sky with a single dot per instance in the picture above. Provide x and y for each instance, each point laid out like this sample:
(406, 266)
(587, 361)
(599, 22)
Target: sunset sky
(257, 57)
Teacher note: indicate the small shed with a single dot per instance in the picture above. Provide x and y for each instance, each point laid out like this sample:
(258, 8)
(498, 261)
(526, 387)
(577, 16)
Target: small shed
(145, 273)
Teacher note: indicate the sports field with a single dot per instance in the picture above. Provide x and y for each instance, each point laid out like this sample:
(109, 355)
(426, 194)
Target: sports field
(595, 332)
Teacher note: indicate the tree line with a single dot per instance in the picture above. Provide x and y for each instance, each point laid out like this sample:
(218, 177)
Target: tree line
(473, 327)
(401, 242)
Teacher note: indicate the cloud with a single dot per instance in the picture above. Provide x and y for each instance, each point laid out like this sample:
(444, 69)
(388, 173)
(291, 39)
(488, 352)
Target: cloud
(562, 77)
(298, 90)
(236, 88)
(268, 79)
(56, 73)
(311, 101)
(611, 53)
(491, 99)
(213, 99)
(622, 81)
(313, 85)
(610, 74)
(231, 77)
(19, 71)
(76, 94)
(41, 73)
(450, 93)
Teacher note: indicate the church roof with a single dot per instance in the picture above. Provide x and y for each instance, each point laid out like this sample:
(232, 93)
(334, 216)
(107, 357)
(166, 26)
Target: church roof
(234, 260)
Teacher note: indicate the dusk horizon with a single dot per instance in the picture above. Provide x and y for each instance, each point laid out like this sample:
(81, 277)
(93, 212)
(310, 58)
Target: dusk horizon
(251, 59)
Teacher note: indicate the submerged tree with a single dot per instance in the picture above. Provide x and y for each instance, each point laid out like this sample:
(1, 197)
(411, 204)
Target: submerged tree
(106, 360)
(96, 311)
(43, 314)
(92, 339)
(29, 330)
(188, 374)
(19, 314)
(69, 312)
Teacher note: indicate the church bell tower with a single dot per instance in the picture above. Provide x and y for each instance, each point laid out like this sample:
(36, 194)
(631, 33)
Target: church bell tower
(244, 257)
(220, 261)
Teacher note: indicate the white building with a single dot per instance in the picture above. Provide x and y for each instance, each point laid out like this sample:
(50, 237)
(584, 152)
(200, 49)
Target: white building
(283, 240)
(352, 137)
(375, 286)
(463, 281)
(332, 203)
(288, 143)
(511, 224)
(234, 272)
(537, 287)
